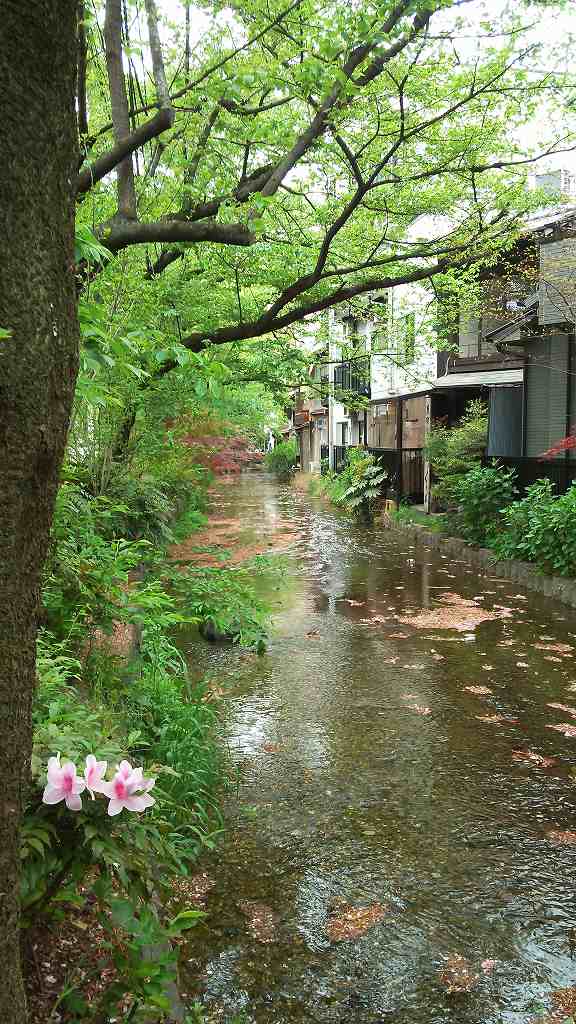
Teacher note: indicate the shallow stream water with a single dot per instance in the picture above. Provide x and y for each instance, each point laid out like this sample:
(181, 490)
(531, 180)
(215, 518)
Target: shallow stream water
(368, 776)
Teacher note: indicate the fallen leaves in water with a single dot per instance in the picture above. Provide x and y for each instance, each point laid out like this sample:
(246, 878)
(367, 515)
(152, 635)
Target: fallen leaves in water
(562, 707)
(551, 657)
(566, 728)
(313, 634)
(488, 668)
(347, 922)
(271, 748)
(497, 719)
(213, 693)
(457, 974)
(420, 709)
(564, 1002)
(480, 691)
(437, 657)
(194, 889)
(522, 664)
(557, 648)
(556, 835)
(537, 759)
(353, 603)
(262, 921)
(454, 612)
(390, 661)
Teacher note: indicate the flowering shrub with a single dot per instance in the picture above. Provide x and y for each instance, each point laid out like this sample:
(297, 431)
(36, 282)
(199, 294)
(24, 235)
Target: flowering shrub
(128, 789)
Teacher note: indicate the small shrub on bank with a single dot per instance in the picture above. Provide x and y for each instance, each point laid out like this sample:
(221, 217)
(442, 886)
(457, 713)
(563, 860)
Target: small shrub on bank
(481, 496)
(358, 486)
(282, 460)
(541, 528)
(107, 860)
(454, 451)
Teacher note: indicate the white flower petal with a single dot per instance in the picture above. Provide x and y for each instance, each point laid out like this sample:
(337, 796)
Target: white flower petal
(54, 770)
(135, 803)
(52, 794)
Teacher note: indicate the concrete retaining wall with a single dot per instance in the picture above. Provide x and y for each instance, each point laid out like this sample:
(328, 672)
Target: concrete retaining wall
(483, 560)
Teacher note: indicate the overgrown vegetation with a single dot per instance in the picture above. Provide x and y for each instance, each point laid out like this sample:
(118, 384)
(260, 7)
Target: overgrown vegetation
(481, 497)
(454, 451)
(283, 459)
(358, 487)
(539, 527)
(111, 679)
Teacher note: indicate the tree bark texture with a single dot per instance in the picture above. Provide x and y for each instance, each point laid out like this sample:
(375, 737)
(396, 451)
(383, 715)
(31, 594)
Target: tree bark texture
(38, 367)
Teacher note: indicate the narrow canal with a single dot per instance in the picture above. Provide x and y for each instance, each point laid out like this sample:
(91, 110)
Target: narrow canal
(402, 811)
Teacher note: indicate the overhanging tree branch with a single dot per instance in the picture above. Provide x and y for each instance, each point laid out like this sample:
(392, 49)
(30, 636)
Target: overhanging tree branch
(108, 161)
(119, 234)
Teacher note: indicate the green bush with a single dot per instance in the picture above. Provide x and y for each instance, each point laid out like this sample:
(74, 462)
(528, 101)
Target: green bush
(282, 460)
(358, 486)
(482, 495)
(86, 569)
(541, 528)
(454, 451)
(117, 866)
(226, 597)
(368, 479)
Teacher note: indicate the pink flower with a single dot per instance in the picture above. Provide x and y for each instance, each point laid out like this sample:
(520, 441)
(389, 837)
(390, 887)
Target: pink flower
(128, 789)
(94, 773)
(63, 784)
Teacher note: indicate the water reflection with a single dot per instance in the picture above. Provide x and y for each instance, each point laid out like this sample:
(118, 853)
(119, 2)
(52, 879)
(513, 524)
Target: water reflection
(346, 792)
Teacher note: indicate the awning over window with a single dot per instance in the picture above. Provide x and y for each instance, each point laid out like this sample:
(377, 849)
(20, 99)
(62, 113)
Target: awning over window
(480, 378)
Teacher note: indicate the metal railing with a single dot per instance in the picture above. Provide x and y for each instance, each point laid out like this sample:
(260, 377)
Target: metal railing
(339, 457)
(347, 378)
(324, 457)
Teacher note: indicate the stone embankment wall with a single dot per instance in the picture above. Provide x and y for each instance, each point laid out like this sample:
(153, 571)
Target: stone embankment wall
(483, 559)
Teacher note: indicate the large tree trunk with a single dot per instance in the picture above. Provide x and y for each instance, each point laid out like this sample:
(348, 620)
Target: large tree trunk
(38, 366)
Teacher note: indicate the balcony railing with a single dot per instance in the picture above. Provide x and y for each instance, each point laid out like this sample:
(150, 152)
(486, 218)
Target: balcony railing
(348, 378)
